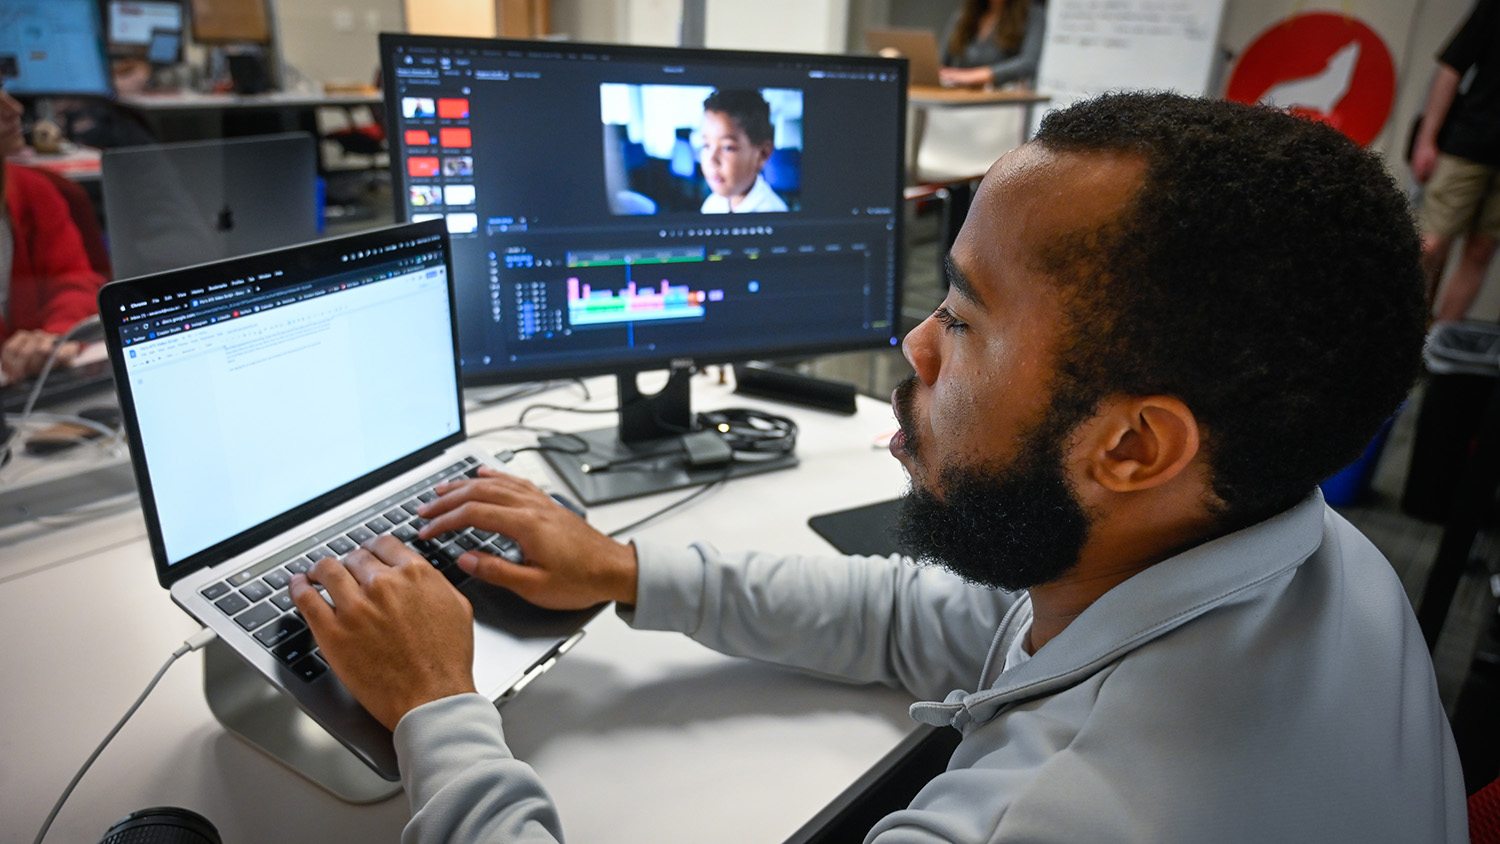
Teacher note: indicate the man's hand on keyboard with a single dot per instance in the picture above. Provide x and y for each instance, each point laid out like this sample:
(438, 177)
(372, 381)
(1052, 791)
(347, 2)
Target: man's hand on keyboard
(398, 634)
(567, 564)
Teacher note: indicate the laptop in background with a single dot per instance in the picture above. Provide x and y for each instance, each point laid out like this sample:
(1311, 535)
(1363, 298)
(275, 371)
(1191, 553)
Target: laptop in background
(918, 46)
(286, 406)
(174, 205)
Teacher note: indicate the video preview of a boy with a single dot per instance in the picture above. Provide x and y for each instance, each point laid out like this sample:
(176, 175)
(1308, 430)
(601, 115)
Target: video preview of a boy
(696, 149)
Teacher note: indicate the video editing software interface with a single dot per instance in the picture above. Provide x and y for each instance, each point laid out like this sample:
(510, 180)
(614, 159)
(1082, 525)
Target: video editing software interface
(603, 218)
(316, 333)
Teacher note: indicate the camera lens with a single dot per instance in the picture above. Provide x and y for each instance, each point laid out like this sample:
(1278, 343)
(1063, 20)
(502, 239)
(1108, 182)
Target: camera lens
(162, 825)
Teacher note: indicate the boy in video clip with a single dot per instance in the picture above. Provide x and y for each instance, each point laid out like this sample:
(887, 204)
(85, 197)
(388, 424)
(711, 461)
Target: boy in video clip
(737, 142)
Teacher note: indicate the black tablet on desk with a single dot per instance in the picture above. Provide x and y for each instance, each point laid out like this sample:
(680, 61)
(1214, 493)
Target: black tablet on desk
(867, 530)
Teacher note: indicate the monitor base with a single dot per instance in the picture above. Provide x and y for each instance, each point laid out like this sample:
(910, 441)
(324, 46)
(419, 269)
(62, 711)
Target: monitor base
(619, 470)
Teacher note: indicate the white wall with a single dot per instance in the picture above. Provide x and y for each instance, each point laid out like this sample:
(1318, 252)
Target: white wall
(334, 40)
(797, 26)
(590, 20)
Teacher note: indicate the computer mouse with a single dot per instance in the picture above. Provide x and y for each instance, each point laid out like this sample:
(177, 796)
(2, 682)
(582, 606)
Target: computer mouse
(570, 504)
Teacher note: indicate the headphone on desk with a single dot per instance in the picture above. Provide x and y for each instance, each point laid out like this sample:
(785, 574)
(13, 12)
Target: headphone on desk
(751, 434)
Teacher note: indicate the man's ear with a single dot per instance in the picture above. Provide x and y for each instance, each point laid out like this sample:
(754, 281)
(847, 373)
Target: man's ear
(1137, 443)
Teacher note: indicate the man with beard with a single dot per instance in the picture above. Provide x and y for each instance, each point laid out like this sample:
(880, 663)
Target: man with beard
(1168, 320)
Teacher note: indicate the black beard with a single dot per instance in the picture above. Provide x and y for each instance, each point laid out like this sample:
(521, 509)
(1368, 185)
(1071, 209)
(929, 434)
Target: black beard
(1005, 527)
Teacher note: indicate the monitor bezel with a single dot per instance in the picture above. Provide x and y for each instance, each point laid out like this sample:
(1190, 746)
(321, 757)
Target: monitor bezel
(779, 350)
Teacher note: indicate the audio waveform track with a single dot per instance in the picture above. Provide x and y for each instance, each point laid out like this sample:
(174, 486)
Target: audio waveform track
(632, 304)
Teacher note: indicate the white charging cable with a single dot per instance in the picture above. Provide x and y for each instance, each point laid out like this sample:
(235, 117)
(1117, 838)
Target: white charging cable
(194, 642)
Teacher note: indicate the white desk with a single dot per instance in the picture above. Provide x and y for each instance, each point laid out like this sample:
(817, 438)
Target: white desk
(641, 736)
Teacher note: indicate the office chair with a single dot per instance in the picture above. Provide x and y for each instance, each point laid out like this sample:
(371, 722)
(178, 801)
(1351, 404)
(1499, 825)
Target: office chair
(86, 218)
(1484, 815)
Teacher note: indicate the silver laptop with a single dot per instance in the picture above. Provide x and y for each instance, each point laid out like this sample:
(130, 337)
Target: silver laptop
(285, 406)
(174, 205)
(918, 46)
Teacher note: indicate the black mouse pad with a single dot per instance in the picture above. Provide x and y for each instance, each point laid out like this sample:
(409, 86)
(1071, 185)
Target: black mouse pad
(861, 530)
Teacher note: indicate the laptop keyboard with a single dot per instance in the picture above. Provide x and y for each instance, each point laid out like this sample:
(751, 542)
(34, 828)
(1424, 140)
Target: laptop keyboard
(256, 597)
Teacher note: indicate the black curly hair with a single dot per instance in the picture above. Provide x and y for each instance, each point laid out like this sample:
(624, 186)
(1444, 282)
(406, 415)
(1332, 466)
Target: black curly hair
(1266, 274)
(747, 108)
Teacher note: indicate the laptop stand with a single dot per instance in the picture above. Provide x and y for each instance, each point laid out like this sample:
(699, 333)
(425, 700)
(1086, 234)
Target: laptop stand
(256, 711)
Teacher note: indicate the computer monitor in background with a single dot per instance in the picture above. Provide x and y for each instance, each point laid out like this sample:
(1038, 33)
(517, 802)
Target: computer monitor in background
(53, 48)
(581, 205)
(165, 47)
(131, 25)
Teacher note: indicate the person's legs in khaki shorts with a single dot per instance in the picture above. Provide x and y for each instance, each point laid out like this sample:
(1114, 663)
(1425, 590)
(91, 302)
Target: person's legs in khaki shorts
(1461, 198)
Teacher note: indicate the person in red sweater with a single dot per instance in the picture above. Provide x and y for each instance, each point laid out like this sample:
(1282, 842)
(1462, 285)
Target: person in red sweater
(46, 282)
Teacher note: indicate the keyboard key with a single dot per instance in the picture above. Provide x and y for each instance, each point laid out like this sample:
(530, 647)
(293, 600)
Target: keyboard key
(256, 616)
(430, 551)
(378, 525)
(396, 516)
(419, 523)
(309, 668)
(215, 591)
(452, 551)
(471, 461)
(360, 535)
(341, 546)
(427, 496)
(405, 533)
(232, 603)
(277, 579)
(483, 535)
(241, 578)
(255, 591)
(472, 473)
(467, 542)
(283, 600)
(297, 646)
(412, 506)
(279, 631)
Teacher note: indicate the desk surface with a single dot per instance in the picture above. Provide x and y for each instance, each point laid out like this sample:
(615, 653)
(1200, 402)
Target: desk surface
(641, 736)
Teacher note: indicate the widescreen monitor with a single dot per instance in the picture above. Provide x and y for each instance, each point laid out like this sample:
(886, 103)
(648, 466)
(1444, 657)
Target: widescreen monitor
(131, 23)
(53, 48)
(618, 208)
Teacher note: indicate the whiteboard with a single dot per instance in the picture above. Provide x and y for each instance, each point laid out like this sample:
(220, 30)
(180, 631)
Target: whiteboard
(1093, 46)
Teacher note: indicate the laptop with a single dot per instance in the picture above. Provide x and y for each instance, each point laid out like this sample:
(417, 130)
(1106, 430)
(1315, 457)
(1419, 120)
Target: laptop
(286, 406)
(918, 46)
(174, 205)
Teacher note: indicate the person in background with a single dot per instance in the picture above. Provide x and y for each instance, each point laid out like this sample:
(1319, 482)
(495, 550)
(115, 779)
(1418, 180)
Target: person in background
(991, 42)
(737, 142)
(1456, 155)
(46, 282)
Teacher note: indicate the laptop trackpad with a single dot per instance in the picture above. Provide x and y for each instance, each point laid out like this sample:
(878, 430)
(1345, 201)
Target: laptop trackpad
(511, 635)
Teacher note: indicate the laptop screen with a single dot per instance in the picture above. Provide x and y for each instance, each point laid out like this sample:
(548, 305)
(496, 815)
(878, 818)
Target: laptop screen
(261, 384)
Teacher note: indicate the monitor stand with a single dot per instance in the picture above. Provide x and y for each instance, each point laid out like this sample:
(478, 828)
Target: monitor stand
(649, 451)
(256, 711)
